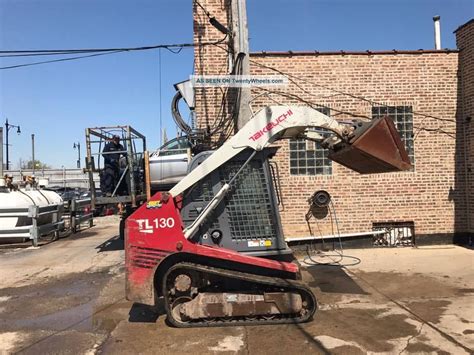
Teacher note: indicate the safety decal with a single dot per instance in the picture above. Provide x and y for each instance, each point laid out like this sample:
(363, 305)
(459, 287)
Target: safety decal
(153, 204)
(259, 243)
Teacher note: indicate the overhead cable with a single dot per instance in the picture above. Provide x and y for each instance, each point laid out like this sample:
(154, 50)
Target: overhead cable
(316, 105)
(57, 60)
(93, 52)
(203, 9)
(372, 102)
(87, 50)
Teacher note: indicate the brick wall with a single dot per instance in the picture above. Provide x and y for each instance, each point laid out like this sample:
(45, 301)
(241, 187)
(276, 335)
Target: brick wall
(428, 195)
(210, 60)
(432, 195)
(465, 42)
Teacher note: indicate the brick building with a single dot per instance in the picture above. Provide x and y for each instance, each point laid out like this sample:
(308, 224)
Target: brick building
(429, 94)
(465, 44)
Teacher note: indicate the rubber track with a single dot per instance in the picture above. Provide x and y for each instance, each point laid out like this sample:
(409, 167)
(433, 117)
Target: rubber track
(289, 285)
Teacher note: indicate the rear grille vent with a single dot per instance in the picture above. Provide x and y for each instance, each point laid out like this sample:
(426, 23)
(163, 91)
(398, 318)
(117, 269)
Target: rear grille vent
(146, 258)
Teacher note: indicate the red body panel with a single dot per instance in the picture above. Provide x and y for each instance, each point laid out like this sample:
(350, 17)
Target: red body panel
(155, 231)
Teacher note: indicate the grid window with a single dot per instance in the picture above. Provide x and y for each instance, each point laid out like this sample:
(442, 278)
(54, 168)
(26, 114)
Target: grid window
(402, 116)
(309, 158)
(249, 206)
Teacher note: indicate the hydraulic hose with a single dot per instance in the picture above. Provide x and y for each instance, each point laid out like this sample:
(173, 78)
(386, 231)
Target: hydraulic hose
(177, 115)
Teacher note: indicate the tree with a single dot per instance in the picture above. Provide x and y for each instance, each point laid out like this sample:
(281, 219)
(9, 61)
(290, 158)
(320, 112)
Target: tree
(38, 165)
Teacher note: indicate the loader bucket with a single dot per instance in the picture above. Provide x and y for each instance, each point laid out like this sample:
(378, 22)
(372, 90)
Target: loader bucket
(375, 148)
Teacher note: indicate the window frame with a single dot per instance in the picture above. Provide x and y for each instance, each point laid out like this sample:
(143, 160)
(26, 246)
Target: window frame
(405, 128)
(298, 152)
(182, 145)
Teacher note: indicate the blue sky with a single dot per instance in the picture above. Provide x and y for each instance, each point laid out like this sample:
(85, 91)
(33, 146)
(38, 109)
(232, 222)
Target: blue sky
(58, 101)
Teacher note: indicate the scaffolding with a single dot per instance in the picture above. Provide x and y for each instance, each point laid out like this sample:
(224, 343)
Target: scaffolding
(132, 164)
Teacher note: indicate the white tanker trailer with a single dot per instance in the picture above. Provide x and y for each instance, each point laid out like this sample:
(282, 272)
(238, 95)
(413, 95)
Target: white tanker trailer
(13, 198)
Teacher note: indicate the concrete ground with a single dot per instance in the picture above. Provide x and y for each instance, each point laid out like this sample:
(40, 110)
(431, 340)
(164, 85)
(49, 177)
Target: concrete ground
(67, 297)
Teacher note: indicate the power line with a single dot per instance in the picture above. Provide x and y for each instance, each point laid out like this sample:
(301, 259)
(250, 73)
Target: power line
(57, 60)
(372, 102)
(312, 104)
(203, 9)
(86, 50)
(72, 52)
(339, 112)
(40, 54)
(93, 52)
(213, 21)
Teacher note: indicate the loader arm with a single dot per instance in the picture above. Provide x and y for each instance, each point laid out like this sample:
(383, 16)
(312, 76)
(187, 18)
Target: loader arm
(372, 147)
(267, 126)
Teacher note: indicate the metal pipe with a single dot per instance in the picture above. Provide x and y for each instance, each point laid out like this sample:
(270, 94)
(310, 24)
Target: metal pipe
(241, 25)
(89, 168)
(114, 152)
(333, 236)
(130, 154)
(120, 181)
(146, 159)
(437, 32)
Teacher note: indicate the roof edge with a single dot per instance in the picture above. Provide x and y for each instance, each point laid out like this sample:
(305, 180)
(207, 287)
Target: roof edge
(464, 25)
(368, 52)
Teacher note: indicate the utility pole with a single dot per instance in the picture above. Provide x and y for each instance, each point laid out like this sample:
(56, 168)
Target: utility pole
(240, 45)
(1, 152)
(33, 151)
(7, 128)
